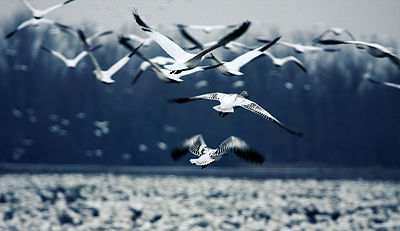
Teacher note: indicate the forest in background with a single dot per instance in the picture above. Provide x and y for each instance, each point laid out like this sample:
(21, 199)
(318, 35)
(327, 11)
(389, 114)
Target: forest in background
(47, 111)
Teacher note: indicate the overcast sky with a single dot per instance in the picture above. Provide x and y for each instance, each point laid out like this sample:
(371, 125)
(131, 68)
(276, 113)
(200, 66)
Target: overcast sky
(362, 17)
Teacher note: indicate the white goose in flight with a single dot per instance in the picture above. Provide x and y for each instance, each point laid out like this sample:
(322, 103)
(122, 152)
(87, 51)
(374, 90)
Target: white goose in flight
(373, 49)
(279, 62)
(232, 68)
(389, 84)
(229, 102)
(38, 17)
(105, 76)
(233, 46)
(336, 31)
(207, 156)
(183, 59)
(299, 48)
(208, 28)
(154, 63)
(70, 63)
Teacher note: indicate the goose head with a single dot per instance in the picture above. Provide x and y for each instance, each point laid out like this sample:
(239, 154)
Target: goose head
(244, 94)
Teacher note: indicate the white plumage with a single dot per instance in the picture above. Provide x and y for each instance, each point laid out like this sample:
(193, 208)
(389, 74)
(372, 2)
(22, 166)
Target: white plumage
(229, 102)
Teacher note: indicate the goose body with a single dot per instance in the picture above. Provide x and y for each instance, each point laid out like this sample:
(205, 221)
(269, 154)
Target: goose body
(229, 102)
(207, 155)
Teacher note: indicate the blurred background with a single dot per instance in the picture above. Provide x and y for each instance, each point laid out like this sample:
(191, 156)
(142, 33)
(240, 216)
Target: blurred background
(51, 114)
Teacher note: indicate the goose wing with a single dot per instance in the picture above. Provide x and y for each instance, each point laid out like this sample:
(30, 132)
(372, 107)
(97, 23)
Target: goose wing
(29, 5)
(48, 10)
(240, 148)
(189, 37)
(250, 55)
(165, 43)
(97, 35)
(118, 65)
(296, 61)
(384, 83)
(254, 107)
(20, 27)
(227, 38)
(55, 53)
(210, 96)
(192, 144)
(82, 36)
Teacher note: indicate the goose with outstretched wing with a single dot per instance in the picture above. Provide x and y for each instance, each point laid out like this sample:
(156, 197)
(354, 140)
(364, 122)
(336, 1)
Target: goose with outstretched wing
(105, 76)
(38, 18)
(207, 156)
(232, 68)
(70, 63)
(279, 62)
(156, 63)
(300, 48)
(373, 49)
(183, 59)
(229, 102)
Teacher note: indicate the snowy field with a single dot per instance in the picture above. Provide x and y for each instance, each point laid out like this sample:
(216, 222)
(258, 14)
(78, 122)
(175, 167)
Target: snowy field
(128, 202)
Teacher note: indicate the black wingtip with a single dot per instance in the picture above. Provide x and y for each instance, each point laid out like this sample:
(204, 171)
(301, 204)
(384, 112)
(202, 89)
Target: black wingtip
(179, 100)
(139, 21)
(135, 50)
(270, 44)
(236, 33)
(137, 77)
(66, 2)
(330, 42)
(45, 49)
(178, 152)
(11, 34)
(299, 134)
(96, 47)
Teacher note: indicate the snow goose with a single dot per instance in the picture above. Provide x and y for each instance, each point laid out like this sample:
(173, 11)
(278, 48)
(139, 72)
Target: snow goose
(279, 62)
(232, 68)
(208, 28)
(233, 46)
(336, 31)
(229, 102)
(373, 49)
(38, 17)
(105, 76)
(207, 156)
(183, 59)
(70, 63)
(299, 48)
(161, 73)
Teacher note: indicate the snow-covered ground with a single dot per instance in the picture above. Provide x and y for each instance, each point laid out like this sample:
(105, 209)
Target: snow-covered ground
(127, 202)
